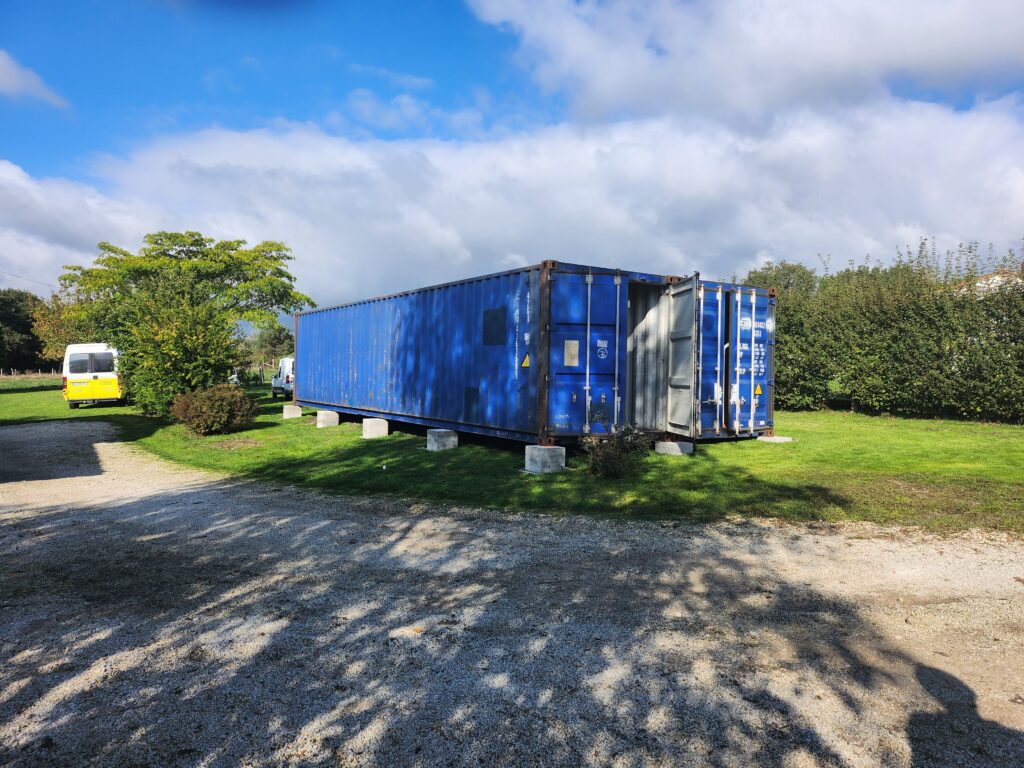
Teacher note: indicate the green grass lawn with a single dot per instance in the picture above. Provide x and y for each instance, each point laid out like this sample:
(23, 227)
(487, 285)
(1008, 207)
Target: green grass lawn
(38, 398)
(942, 475)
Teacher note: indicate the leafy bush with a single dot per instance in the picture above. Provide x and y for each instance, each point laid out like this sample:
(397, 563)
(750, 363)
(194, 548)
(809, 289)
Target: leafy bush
(249, 377)
(214, 410)
(174, 347)
(802, 369)
(921, 337)
(616, 454)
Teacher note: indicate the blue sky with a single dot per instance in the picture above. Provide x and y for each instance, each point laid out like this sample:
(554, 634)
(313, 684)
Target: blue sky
(134, 70)
(397, 144)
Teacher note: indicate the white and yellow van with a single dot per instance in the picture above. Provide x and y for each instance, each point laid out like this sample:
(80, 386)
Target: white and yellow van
(90, 375)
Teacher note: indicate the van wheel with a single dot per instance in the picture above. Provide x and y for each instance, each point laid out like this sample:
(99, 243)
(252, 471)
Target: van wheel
(273, 395)
(73, 405)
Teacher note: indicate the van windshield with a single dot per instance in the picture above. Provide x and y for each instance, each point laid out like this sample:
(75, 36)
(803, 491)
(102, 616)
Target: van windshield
(78, 362)
(103, 362)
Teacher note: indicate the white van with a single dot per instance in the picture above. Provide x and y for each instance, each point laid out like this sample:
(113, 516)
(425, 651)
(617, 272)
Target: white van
(90, 375)
(283, 382)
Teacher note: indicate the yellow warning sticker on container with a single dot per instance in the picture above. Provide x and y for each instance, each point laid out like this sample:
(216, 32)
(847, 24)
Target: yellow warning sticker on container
(526, 360)
(757, 390)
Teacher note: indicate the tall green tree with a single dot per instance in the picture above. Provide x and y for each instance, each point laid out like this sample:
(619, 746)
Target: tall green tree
(20, 348)
(172, 309)
(269, 343)
(59, 321)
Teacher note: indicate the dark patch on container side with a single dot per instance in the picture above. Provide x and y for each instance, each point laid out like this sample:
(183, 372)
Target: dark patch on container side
(495, 327)
(471, 405)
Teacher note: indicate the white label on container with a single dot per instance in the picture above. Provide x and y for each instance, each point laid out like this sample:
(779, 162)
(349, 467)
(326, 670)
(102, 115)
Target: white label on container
(571, 353)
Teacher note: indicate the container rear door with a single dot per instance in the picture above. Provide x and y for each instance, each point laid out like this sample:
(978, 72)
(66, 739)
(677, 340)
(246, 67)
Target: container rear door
(752, 336)
(682, 334)
(712, 359)
(587, 352)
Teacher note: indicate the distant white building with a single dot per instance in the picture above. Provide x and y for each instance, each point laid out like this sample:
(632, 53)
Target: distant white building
(994, 281)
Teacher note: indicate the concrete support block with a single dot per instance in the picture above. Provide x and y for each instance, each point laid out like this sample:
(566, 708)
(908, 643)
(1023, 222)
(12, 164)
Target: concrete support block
(326, 419)
(542, 459)
(774, 439)
(373, 428)
(442, 439)
(673, 448)
(292, 412)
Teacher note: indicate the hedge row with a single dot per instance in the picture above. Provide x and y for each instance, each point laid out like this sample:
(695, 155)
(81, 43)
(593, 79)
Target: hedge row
(919, 337)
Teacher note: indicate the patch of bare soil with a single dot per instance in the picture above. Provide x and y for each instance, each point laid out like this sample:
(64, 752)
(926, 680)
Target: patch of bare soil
(152, 615)
(233, 444)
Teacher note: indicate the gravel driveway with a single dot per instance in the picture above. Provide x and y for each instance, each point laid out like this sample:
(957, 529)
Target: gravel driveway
(152, 615)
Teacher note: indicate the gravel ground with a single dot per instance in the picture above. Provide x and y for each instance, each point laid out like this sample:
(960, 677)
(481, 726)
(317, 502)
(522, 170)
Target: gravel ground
(153, 615)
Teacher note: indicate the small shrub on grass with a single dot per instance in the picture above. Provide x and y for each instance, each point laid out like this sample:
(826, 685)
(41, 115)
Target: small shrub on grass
(616, 454)
(215, 410)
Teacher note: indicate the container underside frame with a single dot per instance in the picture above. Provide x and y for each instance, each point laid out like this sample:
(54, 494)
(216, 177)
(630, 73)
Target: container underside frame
(401, 418)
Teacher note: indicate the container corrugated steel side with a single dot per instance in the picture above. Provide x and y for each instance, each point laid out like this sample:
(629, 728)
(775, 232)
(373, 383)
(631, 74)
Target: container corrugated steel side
(453, 355)
(546, 353)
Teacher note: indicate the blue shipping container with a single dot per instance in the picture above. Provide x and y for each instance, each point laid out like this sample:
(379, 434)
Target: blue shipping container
(548, 353)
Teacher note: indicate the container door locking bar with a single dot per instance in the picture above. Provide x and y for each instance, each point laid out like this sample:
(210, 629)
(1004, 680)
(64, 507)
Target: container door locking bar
(719, 383)
(615, 388)
(753, 360)
(586, 385)
(739, 359)
(699, 426)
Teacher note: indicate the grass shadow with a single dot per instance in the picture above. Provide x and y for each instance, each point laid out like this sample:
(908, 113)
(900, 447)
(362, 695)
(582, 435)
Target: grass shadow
(13, 389)
(832, 472)
(687, 489)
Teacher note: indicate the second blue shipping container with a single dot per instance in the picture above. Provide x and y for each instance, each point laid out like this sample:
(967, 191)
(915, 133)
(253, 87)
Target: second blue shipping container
(548, 353)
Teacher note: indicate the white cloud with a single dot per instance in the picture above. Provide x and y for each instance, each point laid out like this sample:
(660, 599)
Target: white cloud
(741, 58)
(17, 81)
(405, 114)
(47, 223)
(402, 112)
(663, 195)
(755, 131)
(398, 79)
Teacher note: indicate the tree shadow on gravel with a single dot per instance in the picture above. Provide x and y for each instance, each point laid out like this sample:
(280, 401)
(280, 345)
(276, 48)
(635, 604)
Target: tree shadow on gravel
(80, 460)
(234, 623)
